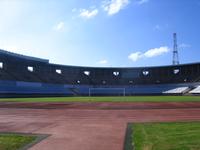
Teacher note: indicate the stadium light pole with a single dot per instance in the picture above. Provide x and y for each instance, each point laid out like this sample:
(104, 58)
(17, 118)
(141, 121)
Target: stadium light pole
(175, 60)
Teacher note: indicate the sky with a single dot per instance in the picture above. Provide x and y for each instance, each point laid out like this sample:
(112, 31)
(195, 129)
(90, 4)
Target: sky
(102, 33)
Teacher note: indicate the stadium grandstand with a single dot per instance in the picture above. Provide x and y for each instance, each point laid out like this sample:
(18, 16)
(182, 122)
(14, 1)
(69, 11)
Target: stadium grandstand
(29, 76)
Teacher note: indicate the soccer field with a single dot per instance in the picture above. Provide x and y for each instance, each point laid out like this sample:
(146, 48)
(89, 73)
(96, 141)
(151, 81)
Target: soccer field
(166, 136)
(108, 99)
(14, 141)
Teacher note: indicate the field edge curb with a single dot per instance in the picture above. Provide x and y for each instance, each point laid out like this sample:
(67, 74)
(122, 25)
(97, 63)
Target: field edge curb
(128, 138)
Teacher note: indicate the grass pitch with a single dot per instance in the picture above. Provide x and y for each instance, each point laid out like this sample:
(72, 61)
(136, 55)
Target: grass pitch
(166, 136)
(108, 99)
(14, 141)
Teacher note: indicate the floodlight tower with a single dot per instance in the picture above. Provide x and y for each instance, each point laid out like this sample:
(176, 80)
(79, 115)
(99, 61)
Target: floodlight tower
(175, 60)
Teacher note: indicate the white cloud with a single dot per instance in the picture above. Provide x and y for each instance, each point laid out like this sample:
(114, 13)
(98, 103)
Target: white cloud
(140, 2)
(149, 54)
(60, 26)
(103, 62)
(87, 14)
(114, 6)
(135, 56)
(156, 51)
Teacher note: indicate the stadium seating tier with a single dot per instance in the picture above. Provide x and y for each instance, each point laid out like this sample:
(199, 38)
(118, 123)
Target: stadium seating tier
(21, 74)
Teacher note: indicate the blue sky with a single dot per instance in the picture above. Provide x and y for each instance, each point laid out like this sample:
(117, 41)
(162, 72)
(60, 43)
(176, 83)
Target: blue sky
(104, 33)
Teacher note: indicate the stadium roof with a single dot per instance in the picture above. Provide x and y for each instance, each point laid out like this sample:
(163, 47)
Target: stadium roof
(23, 56)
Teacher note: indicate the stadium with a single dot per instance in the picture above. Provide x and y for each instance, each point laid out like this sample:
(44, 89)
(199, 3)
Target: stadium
(99, 75)
(94, 95)
(28, 76)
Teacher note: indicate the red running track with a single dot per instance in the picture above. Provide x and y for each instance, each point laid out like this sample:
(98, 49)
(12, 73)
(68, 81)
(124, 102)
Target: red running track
(88, 126)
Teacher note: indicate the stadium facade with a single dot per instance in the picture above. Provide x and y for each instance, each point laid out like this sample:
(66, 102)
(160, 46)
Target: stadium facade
(29, 76)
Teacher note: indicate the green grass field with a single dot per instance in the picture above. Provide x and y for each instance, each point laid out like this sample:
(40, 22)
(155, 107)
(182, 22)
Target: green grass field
(14, 141)
(109, 99)
(166, 136)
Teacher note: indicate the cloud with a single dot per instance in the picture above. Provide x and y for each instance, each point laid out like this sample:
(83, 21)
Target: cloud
(87, 14)
(149, 54)
(103, 62)
(156, 52)
(135, 56)
(140, 2)
(60, 26)
(114, 6)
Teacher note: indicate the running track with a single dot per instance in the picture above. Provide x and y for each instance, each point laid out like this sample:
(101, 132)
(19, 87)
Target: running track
(88, 126)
